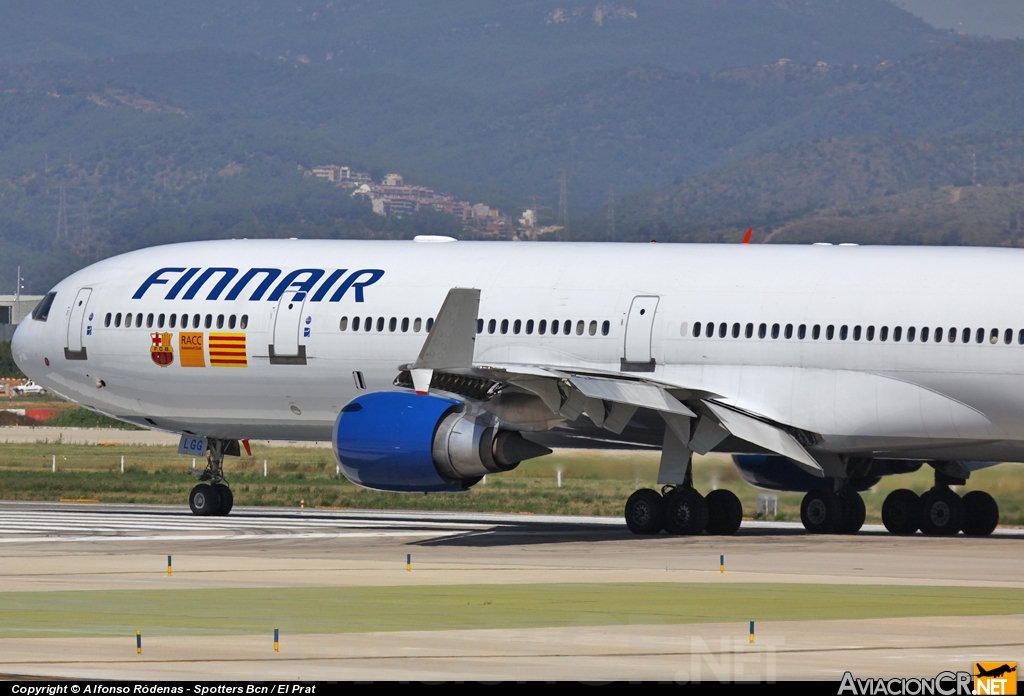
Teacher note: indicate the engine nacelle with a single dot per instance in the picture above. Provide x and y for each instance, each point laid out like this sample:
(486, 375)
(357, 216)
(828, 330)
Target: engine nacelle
(774, 472)
(398, 441)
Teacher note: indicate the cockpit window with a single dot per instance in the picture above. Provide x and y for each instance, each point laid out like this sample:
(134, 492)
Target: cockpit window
(42, 310)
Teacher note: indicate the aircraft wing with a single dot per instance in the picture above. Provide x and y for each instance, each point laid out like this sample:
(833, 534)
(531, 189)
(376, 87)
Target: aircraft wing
(560, 393)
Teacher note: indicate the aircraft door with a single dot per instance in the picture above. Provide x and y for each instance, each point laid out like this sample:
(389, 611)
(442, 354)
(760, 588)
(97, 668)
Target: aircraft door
(639, 328)
(73, 347)
(286, 349)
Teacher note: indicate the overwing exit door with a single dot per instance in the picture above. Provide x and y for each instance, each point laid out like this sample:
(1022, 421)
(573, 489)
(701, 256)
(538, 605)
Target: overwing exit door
(286, 349)
(74, 349)
(639, 329)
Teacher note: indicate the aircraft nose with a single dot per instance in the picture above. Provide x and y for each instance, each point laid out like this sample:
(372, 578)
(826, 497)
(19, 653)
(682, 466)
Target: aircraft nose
(24, 346)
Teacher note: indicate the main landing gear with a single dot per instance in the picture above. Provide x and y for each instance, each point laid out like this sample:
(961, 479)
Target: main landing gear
(940, 511)
(682, 510)
(826, 511)
(214, 497)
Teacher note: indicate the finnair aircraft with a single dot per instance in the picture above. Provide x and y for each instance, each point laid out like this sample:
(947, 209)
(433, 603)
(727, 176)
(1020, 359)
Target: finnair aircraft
(431, 363)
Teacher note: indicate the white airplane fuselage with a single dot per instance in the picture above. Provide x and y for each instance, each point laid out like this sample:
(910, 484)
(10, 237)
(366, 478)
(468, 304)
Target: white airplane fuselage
(869, 385)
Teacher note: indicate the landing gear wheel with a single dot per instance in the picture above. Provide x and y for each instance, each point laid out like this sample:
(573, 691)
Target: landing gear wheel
(725, 512)
(645, 512)
(901, 512)
(686, 512)
(204, 500)
(854, 513)
(981, 514)
(942, 512)
(821, 512)
(227, 499)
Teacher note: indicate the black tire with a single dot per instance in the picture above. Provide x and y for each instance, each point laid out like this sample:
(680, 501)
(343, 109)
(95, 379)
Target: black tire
(854, 513)
(821, 512)
(981, 514)
(227, 499)
(686, 512)
(725, 512)
(942, 512)
(901, 512)
(645, 512)
(204, 500)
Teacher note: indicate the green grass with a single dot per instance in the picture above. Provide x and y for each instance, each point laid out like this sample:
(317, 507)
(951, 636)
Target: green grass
(593, 482)
(365, 609)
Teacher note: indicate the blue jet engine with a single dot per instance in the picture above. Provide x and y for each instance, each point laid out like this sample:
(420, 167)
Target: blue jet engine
(399, 441)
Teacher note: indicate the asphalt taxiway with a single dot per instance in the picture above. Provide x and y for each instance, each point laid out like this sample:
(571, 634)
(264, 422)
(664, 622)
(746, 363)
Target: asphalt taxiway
(61, 547)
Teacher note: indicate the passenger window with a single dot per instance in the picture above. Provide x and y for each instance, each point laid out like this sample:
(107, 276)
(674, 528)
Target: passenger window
(856, 333)
(149, 321)
(736, 330)
(762, 330)
(1008, 336)
(979, 336)
(993, 337)
(209, 320)
(897, 333)
(709, 331)
(417, 325)
(504, 326)
(529, 327)
(830, 332)
(593, 328)
(196, 321)
(244, 323)
(492, 326)
(554, 327)
(883, 333)
(566, 327)
(749, 333)
(789, 331)
(775, 330)
(160, 321)
(924, 334)
(106, 320)
(184, 321)
(117, 320)
(343, 324)
(802, 332)
(393, 324)
(380, 324)
(910, 334)
(542, 326)
(128, 320)
(138, 320)
(405, 325)
(606, 327)
(173, 321)
(816, 332)
(430, 324)
(220, 321)
(479, 326)
(231, 321)
(696, 329)
(952, 335)
(723, 329)
(355, 323)
(871, 333)
(843, 332)
(1020, 337)
(579, 327)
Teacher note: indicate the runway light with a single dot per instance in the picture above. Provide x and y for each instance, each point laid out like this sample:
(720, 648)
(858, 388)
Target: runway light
(408, 562)
(55, 463)
(138, 642)
(168, 566)
(751, 631)
(276, 643)
(264, 467)
(122, 463)
(559, 478)
(721, 566)
(302, 504)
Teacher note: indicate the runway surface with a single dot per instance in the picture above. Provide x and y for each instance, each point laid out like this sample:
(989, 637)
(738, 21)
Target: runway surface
(59, 547)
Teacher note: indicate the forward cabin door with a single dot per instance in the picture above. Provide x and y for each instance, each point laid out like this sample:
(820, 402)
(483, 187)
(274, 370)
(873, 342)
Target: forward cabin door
(286, 349)
(639, 329)
(73, 347)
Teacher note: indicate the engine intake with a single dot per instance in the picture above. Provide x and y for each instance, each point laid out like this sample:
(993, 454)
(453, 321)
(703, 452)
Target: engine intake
(397, 441)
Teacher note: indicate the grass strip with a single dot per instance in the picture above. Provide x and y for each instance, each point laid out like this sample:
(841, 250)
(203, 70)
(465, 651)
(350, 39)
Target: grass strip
(373, 609)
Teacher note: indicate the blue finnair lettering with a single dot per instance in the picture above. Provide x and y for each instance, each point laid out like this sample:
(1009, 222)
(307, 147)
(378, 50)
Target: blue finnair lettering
(301, 282)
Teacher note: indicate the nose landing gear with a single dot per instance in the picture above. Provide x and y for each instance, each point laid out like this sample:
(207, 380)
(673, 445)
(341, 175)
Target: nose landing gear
(215, 498)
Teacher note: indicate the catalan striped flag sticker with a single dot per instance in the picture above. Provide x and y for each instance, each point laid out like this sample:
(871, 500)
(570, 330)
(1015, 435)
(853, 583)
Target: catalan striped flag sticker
(227, 350)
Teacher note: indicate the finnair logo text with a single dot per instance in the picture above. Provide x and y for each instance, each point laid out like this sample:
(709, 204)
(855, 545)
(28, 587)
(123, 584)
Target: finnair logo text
(259, 283)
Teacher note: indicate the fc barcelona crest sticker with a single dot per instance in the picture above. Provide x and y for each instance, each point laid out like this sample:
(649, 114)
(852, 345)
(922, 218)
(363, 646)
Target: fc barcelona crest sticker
(161, 350)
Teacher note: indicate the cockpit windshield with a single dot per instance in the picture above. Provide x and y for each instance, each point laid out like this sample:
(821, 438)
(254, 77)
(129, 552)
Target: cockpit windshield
(42, 310)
